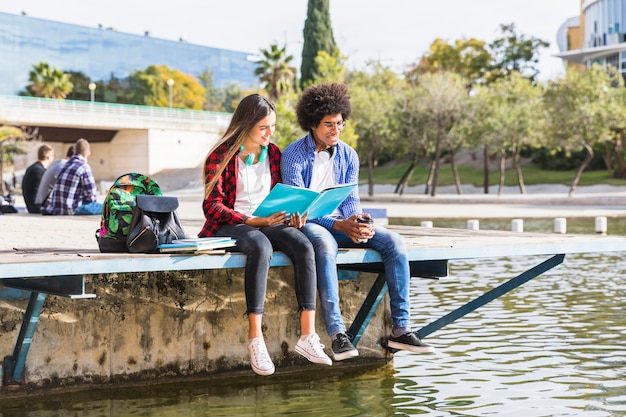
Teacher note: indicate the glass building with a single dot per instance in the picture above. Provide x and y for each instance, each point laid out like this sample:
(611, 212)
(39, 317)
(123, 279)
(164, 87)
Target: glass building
(598, 35)
(101, 53)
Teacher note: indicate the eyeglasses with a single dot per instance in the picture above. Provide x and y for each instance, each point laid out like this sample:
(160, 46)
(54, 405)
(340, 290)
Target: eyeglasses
(339, 125)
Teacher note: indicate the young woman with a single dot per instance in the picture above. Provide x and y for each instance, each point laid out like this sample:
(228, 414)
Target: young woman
(238, 174)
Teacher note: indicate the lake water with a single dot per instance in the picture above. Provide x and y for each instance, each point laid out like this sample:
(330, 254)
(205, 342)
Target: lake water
(556, 346)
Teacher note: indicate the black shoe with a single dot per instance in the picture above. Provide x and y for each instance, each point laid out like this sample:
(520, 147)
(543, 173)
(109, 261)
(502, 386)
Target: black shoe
(343, 348)
(409, 341)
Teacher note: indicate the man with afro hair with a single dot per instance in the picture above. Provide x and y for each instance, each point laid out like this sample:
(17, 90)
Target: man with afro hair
(319, 160)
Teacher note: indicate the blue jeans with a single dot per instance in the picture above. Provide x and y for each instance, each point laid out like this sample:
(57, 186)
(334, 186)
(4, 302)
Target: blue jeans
(392, 249)
(90, 208)
(259, 244)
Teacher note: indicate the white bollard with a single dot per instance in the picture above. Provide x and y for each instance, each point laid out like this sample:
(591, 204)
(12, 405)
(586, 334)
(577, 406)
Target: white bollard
(601, 225)
(472, 225)
(560, 225)
(517, 225)
(426, 223)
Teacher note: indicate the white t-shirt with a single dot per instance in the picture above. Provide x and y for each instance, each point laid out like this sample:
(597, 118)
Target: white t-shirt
(253, 185)
(324, 173)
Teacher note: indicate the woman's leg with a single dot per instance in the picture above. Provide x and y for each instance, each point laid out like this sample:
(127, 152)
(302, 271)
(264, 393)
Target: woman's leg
(307, 321)
(299, 249)
(255, 323)
(258, 250)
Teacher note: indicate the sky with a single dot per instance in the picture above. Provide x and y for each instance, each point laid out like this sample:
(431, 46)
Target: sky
(394, 32)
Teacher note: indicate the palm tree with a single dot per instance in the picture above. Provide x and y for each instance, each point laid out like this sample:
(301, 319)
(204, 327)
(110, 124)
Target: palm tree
(275, 71)
(49, 82)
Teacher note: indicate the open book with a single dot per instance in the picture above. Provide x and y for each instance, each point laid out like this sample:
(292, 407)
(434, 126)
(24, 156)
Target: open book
(302, 200)
(198, 244)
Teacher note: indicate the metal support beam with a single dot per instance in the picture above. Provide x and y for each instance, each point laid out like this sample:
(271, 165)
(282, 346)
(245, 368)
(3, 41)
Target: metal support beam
(367, 310)
(14, 365)
(491, 295)
(72, 286)
(423, 269)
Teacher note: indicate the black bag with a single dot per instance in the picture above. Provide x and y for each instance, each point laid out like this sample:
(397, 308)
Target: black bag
(154, 222)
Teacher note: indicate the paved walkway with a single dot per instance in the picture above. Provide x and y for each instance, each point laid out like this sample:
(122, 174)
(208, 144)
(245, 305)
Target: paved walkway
(25, 230)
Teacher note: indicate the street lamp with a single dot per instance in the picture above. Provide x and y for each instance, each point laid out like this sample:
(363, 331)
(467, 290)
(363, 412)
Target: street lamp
(92, 89)
(170, 84)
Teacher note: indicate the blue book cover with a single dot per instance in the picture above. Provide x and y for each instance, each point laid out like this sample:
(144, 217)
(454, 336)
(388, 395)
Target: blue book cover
(292, 199)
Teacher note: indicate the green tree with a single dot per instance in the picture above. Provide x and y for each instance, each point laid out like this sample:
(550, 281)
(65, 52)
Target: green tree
(214, 97)
(440, 105)
(275, 71)
(81, 86)
(318, 36)
(330, 68)
(467, 57)
(232, 96)
(287, 128)
(10, 136)
(584, 109)
(48, 82)
(512, 119)
(150, 88)
(515, 53)
(374, 106)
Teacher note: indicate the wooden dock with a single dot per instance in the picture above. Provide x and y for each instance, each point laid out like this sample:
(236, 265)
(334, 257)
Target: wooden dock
(40, 268)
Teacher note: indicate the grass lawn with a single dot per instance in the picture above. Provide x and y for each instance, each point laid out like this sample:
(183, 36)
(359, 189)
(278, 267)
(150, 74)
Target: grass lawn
(532, 176)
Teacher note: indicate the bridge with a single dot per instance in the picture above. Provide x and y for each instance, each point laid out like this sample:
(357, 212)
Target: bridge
(123, 137)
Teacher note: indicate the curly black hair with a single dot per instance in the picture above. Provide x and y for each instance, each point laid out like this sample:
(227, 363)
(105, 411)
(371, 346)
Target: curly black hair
(322, 100)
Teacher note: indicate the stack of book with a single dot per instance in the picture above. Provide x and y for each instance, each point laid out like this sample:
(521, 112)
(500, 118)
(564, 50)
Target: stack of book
(198, 244)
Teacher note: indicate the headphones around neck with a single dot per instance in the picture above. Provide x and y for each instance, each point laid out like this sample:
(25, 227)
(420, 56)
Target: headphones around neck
(250, 157)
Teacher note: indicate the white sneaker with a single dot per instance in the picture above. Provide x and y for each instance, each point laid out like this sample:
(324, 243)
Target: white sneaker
(259, 357)
(310, 347)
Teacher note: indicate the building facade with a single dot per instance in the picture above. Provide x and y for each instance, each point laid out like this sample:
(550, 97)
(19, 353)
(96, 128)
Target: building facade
(101, 53)
(597, 35)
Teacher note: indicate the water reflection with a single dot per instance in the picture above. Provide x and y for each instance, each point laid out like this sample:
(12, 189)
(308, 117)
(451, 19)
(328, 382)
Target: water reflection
(555, 346)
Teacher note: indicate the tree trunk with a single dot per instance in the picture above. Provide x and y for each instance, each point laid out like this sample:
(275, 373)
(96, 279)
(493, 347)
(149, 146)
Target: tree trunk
(370, 172)
(582, 167)
(518, 171)
(404, 180)
(620, 171)
(455, 171)
(2, 187)
(486, 170)
(607, 157)
(429, 180)
(433, 190)
(502, 171)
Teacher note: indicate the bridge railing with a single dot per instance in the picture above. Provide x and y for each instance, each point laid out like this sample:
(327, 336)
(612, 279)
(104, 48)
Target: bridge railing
(17, 109)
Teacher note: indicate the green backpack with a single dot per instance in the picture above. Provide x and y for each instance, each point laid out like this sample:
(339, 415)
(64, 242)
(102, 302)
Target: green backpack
(117, 210)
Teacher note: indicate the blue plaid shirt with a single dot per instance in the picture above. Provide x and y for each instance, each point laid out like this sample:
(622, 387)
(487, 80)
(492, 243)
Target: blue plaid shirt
(74, 186)
(296, 166)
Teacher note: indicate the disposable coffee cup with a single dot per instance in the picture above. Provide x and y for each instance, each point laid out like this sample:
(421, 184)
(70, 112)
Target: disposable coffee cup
(364, 220)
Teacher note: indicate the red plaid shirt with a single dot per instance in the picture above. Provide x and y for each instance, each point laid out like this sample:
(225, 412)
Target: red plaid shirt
(219, 205)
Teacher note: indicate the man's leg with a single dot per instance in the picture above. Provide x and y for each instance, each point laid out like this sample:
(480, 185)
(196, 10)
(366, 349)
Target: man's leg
(392, 249)
(326, 248)
(90, 208)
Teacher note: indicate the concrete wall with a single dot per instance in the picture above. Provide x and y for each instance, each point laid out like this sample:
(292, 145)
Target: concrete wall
(149, 151)
(151, 326)
(135, 150)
